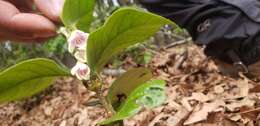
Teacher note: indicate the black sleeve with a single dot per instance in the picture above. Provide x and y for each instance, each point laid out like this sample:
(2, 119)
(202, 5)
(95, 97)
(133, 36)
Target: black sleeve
(231, 24)
(180, 11)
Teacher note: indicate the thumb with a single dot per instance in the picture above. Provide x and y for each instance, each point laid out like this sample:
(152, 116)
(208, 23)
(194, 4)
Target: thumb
(50, 8)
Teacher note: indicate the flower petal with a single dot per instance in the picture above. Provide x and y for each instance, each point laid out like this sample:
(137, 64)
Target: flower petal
(81, 71)
(77, 40)
(74, 70)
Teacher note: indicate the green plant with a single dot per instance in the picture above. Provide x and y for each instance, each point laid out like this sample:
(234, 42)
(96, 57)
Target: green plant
(12, 53)
(125, 27)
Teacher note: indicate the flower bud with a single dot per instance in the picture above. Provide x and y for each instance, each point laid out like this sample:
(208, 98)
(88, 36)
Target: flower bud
(81, 56)
(77, 40)
(81, 71)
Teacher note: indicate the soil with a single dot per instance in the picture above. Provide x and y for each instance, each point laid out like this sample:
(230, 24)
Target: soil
(198, 95)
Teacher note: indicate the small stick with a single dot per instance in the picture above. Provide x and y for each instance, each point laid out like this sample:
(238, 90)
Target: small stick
(113, 72)
(253, 110)
(178, 43)
(181, 60)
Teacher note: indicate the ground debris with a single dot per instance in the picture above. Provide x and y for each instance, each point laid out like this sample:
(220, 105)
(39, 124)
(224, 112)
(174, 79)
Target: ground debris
(60, 105)
(198, 95)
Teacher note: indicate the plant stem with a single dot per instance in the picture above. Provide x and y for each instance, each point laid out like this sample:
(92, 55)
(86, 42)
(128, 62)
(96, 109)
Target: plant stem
(104, 102)
(102, 98)
(97, 86)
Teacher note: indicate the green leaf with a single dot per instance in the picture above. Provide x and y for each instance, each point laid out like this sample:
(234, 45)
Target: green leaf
(150, 94)
(78, 14)
(28, 78)
(126, 27)
(126, 83)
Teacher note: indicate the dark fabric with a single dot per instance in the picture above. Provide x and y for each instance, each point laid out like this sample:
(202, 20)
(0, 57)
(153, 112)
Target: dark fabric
(233, 24)
(250, 7)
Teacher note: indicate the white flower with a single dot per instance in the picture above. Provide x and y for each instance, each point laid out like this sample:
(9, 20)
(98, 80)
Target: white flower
(77, 43)
(77, 40)
(81, 71)
(81, 55)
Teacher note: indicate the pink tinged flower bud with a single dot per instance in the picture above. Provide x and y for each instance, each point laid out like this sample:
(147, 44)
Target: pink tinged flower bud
(81, 56)
(77, 40)
(81, 71)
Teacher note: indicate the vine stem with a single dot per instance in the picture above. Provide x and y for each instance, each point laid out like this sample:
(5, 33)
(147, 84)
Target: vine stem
(98, 88)
(104, 102)
(102, 98)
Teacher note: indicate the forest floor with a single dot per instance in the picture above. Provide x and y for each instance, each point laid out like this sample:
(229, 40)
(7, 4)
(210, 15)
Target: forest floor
(197, 96)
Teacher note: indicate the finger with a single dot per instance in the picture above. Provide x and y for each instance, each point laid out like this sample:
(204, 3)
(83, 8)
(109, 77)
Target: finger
(16, 38)
(22, 5)
(50, 8)
(23, 25)
(32, 25)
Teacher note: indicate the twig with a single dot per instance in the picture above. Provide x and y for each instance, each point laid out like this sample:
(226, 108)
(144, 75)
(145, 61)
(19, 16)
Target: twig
(113, 72)
(93, 103)
(249, 111)
(178, 43)
(181, 60)
(178, 36)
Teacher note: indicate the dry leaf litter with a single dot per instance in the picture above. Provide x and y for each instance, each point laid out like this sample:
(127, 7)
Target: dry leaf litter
(197, 96)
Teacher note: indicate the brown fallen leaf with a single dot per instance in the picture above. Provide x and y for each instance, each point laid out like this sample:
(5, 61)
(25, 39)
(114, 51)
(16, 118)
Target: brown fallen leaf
(178, 118)
(256, 89)
(186, 104)
(250, 113)
(235, 118)
(161, 59)
(227, 122)
(235, 104)
(199, 97)
(201, 112)
(243, 86)
(157, 119)
(251, 123)
(215, 117)
(219, 89)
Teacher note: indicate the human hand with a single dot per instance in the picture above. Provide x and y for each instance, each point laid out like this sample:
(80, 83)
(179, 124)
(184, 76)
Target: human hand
(19, 20)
